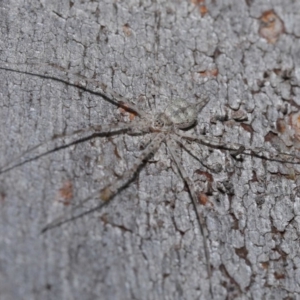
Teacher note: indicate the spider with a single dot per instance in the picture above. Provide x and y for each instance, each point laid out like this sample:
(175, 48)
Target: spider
(169, 127)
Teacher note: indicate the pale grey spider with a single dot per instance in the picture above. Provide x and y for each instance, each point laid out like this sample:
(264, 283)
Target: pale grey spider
(166, 127)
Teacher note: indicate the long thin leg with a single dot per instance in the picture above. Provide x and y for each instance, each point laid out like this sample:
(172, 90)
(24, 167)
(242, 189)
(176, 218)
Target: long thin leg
(110, 191)
(172, 146)
(114, 98)
(63, 141)
(237, 149)
(215, 168)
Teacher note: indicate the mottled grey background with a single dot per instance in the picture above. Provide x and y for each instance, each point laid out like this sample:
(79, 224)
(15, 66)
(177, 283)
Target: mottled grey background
(146, 244)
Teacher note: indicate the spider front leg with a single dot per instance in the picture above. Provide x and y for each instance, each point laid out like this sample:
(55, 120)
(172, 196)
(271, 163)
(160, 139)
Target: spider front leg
(114, 98)
(62, 141)
(110, 191)
(173, 148)
(238, 149)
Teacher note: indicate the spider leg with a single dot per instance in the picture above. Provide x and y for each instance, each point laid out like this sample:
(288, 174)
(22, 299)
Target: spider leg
(110, 191)
(202, 103)
(117, 98)
(114, 97)
(63, 141)
(215, 168)
(70, 215)
(171, 145)
(238, 149)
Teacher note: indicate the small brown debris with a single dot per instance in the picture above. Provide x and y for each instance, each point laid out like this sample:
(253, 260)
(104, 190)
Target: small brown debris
(281, 126)
(279, 275)
(106, 194)
(295, 124)
(202, 7)
(265, 265)
(203, 10)
(203, 199)
(127, 30)
(271, 26)
(66, 193)
(209, 73)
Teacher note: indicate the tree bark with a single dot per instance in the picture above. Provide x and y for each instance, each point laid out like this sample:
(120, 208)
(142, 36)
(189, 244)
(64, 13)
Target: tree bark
(146, 243)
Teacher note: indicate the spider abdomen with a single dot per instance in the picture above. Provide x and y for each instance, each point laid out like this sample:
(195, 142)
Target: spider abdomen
(181, 114)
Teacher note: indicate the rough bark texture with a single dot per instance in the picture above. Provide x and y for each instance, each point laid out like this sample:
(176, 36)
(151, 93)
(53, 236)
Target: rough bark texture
(146, 244)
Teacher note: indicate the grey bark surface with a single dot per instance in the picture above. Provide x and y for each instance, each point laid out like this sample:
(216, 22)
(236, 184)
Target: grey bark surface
(146, 243)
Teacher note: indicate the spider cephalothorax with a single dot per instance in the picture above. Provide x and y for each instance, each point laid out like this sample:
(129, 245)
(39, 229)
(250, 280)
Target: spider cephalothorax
(179, 114)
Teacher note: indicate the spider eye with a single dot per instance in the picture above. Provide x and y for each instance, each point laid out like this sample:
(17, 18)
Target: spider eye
(159, 123)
